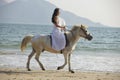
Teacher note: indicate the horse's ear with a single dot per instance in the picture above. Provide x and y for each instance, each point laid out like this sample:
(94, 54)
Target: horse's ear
(83, 26)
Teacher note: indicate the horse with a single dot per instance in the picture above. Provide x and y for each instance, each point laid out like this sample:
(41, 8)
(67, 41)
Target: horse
(43, 43)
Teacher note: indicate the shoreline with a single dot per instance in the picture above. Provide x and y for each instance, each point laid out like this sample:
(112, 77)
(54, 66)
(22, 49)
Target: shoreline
(13, 65)
(23, 74)
(79, 62)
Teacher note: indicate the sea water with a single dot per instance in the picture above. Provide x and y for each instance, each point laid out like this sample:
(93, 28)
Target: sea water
(100, 54)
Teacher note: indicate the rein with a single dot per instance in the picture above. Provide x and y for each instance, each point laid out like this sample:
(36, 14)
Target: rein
(84, 31)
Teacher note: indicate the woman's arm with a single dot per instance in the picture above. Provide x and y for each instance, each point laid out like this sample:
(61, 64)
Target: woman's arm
(56, 23)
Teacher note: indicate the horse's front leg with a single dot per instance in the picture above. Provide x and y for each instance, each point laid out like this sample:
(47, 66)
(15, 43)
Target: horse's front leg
(69, 64)
(65, 57)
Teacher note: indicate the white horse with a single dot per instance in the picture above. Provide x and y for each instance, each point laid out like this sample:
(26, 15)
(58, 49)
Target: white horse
(41, 43)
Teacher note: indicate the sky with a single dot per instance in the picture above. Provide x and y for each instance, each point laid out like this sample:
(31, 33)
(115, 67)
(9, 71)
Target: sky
(3, 2)
(106, 12)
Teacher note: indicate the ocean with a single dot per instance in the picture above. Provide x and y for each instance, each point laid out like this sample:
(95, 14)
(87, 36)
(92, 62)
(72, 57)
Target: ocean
(100, 54)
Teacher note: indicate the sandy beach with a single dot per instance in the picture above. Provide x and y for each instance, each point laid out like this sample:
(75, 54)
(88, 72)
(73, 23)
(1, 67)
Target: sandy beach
(23, 74)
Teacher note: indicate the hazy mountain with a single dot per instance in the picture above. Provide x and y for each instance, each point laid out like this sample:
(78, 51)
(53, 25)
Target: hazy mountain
(37, 12)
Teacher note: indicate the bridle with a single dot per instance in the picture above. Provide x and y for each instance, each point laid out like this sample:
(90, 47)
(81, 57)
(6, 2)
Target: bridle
(81, 29)
(85, 32)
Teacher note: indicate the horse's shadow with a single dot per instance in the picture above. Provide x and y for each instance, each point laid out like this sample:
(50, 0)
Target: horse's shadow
(23, 72)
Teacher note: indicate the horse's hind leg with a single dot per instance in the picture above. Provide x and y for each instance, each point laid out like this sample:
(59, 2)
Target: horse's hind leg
(37, 59)
(29, 58)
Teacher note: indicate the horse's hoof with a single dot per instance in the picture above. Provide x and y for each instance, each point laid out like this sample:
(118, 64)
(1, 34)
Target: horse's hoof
(43, 69)
(72, 71)
(29, 69)
(58, 68)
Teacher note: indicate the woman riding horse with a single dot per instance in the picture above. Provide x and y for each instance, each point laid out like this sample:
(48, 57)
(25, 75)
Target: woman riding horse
(43, 42)
(58, 38)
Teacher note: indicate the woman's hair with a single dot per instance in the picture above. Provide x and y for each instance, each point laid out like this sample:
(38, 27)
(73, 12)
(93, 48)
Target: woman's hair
(55, 13)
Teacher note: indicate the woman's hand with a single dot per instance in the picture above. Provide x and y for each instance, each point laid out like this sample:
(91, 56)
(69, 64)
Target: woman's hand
(63, 28)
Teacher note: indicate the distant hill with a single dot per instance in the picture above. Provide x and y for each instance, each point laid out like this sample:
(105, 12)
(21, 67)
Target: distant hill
(37, 12)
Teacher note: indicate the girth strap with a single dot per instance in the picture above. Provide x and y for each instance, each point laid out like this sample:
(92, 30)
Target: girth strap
(50, 40)
(67, 41)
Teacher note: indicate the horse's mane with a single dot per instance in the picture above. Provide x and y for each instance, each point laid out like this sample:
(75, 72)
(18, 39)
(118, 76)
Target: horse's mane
(78, 26)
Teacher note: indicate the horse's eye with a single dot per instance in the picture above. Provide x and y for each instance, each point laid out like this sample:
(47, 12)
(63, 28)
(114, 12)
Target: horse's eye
(85, 30)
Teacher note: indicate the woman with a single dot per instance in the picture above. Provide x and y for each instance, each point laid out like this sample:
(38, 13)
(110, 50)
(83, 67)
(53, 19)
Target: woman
(58, 38)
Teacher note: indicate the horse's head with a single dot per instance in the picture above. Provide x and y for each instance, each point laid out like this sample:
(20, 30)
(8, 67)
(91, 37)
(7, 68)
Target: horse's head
(82, 32)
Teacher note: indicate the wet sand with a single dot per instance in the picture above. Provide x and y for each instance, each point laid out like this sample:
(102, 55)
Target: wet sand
(23, 74)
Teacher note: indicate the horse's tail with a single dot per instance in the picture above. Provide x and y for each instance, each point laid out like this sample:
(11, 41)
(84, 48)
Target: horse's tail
(25, 41)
